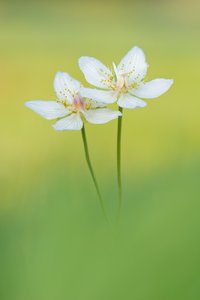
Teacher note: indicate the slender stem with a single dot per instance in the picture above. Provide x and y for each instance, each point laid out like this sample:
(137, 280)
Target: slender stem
(119, 180)
(87, 156)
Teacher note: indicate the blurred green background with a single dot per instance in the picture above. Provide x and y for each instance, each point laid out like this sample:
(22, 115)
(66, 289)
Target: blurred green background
(54, 243)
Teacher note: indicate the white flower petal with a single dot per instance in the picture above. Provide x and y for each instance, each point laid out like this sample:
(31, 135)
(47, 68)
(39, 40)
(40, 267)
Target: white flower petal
(66, 86)
(153, 88)
(134, 65)
(130, 102)
(99, 95)
(48, 109)
(95, 72)
(73, 122)
(97, 104)
(101, 116)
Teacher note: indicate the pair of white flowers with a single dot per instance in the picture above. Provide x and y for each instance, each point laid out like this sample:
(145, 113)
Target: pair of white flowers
(123, 84)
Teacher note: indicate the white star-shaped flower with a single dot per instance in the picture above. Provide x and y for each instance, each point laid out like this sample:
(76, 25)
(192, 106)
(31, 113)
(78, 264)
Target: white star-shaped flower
(125, 83)
(71, 108)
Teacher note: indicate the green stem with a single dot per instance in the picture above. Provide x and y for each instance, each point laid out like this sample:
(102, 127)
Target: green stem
(119, 180)
(87, 156)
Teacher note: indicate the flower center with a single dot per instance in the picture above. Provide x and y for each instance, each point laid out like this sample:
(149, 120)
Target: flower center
(122, 85)
(78, 103)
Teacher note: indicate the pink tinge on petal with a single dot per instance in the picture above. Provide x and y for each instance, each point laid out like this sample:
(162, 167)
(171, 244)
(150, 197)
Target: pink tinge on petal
(78, 103)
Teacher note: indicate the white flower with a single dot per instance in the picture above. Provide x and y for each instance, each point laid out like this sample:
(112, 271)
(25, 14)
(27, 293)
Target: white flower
(125, 83)
(70, 108)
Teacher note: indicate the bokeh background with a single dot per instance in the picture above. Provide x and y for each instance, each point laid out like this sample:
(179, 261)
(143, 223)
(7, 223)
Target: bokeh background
(54, 242)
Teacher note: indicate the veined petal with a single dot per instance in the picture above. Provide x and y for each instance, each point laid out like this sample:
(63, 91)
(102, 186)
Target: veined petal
(153, 88)
(99, 95)
(73, 122)
(101, 115)
(133, 65)
(66, 87)
(130, 102)
(95, 72)
(97, 104)
(48, 109)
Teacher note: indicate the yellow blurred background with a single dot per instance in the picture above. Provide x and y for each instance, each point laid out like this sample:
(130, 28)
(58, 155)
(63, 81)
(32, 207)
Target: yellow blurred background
(48, 207)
